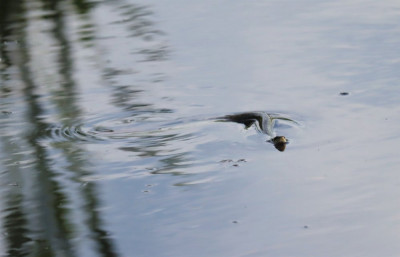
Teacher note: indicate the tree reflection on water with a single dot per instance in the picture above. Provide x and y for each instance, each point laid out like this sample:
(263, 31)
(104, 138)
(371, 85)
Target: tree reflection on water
(46, 210)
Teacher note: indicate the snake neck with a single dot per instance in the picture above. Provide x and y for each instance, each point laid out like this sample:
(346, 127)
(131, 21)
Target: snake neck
(267, 124)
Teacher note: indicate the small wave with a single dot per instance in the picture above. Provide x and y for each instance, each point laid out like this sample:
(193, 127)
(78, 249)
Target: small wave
(102, 133)
(70, 133)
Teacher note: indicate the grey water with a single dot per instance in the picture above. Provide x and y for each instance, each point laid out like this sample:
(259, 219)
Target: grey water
(110, 143)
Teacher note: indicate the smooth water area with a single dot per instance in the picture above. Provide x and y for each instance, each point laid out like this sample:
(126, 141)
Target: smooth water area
(111, 142)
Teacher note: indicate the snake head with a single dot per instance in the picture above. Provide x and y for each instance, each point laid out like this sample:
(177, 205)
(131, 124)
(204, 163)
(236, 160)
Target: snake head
(280, 142)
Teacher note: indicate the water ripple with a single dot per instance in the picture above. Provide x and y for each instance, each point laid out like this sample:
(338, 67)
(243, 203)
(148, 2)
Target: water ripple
(70, 133)
(114, 131)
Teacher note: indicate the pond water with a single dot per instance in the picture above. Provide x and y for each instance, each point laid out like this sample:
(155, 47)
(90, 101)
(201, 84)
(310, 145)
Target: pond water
(110, 142)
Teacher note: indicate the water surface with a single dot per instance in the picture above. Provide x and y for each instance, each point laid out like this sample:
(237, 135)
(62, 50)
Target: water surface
(109, 144)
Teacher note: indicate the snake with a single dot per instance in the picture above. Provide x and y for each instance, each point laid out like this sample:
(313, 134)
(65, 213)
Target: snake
(265, 123)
